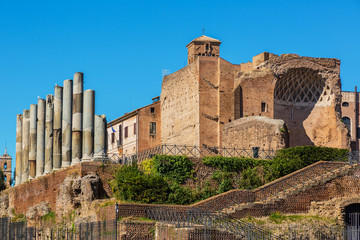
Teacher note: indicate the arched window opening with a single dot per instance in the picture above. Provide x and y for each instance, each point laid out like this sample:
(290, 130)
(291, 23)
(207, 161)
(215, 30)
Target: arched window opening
(345, 104)
(207, 47)
(5, 166)
(347, 122)
(352, 223)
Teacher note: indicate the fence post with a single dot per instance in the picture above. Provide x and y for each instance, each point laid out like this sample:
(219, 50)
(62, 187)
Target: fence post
(116, 232)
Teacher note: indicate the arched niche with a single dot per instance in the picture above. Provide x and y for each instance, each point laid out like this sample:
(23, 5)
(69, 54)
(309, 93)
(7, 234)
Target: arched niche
(295, 95)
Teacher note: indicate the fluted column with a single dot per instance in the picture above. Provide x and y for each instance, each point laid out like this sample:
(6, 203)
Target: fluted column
(32, 151)
(100, 136)
(67, 123)
(57, 127)
(40, 138)
(18, 169)
(49, 133)
(25, 145)
(88, 124)
(77, 120)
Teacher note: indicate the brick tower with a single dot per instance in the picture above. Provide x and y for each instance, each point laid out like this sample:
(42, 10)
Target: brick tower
(5, 165)
(203, 46)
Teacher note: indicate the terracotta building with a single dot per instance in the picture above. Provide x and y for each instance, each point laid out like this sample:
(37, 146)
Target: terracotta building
(202, 99)
(135, 131)
(5, 166)
(350, 116)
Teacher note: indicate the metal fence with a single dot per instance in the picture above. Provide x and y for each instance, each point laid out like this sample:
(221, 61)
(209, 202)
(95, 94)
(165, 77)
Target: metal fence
(210, 222)
(190, 151)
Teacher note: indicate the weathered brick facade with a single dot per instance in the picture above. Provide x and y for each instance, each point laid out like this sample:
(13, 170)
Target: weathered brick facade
(200, 99)
(5, 166)
(350, 116)
(131, 133)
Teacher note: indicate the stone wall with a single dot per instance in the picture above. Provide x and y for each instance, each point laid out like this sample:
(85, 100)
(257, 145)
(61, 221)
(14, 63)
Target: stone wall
(253, 89)
(209, 100)
(335, 194)
(307, 97)
(180, 107)
(63, 189)
(260, 132)
(350, 108)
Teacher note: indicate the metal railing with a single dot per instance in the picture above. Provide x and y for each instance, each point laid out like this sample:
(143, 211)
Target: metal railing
(209, 220)
(304, 175)
(190, 151)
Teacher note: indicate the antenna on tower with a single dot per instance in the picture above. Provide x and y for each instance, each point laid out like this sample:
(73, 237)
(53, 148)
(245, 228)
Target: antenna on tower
(165, 72)
(203, 29)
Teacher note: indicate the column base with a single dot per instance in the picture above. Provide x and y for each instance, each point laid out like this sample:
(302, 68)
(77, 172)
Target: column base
(65, 164)
(86, 158)
(75, 161)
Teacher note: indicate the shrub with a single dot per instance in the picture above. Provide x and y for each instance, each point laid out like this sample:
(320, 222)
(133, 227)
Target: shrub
(180, 195)
(292, 159)
(147, 166)
(224, 179)
(173, 168)
(233, 164)
(250, 179)
(131, 184)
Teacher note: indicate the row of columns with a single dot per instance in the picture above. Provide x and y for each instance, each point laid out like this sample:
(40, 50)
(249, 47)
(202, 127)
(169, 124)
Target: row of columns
(59, 131)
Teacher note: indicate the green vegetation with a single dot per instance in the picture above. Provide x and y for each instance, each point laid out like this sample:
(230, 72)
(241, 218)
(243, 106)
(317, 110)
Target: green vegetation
(131, 184)
(173, 168)
(49, 217)
(162, 179)
(255, 173)
(17, 217)
(2, 181)
(229, 164)
(279, 218)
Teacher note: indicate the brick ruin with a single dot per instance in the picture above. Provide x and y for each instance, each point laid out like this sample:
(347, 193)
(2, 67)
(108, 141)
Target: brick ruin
(201, 99)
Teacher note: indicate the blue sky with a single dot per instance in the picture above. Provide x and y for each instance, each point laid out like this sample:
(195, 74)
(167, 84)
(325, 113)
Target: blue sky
(122, 46)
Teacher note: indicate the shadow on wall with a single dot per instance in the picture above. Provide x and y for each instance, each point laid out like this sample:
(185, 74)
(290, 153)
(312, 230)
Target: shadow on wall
(238, 103)
(295, 95)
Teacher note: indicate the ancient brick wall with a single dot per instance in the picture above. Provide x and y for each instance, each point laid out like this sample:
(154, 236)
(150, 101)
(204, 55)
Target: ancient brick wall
(46, 188)
(307, 97)
(350, 108)
(209, 100)
(5, 166)
(260, 132)
(226, 95)
(253, 89)
(43, 188)
(180, 107)
(339, 188)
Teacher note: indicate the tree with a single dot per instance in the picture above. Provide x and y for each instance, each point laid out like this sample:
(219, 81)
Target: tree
(2, 181)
